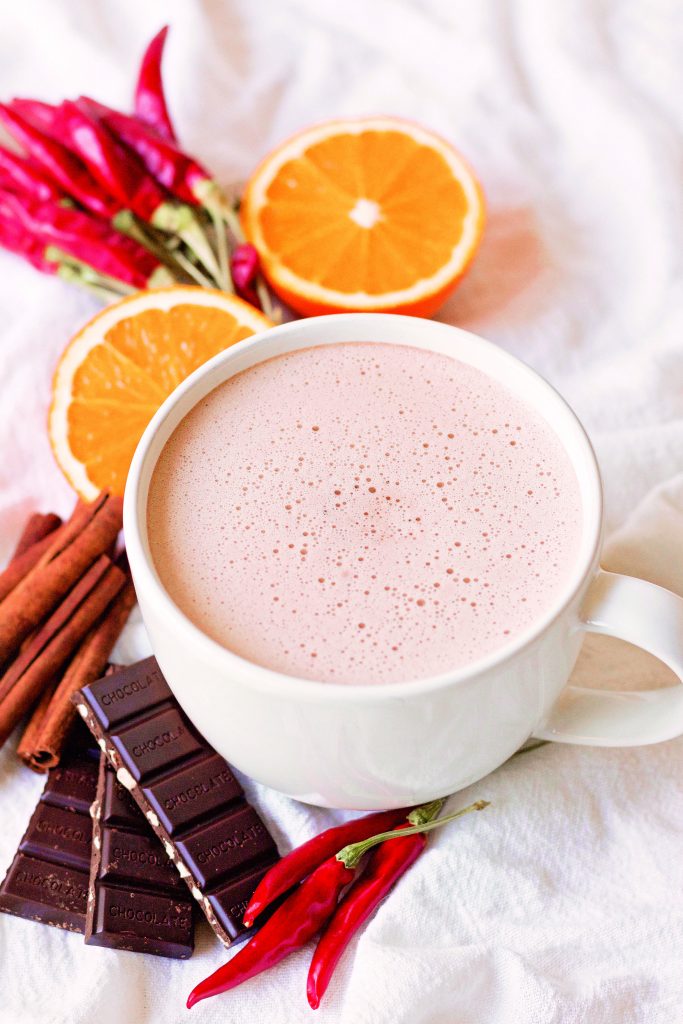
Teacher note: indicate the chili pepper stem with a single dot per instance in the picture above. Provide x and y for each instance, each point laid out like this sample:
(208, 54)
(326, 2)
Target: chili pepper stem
(188, 266)
(266, 305)
(195, 239)
(86, 273)
(427, 812)
(351, 855)
(73, 276)
(222, 249)
(181, 221)
(126, 222)
(213, 199)
(162, 277)
(165, 248)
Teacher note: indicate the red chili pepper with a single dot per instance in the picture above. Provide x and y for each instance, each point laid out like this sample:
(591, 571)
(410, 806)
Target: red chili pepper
(244, 269)
(180, 173)
(172, 168)
(115, 169)
(150, 102)
(87, 239)
(15, 240)
(290, 927)
(59, 163)
(44, 116)
(19, 175)
(301, 861)
(387, 863)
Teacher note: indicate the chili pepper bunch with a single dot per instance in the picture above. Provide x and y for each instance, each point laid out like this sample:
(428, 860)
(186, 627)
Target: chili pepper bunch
(110, 201)
(315, 875)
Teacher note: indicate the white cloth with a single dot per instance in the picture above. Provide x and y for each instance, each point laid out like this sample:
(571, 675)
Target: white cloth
(564, 901)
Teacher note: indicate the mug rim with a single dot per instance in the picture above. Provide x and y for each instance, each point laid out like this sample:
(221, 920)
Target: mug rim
(135, 509)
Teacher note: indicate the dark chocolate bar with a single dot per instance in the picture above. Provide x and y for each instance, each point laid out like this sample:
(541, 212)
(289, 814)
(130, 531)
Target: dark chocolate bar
(187, 792)
(136, 898)
(48, 878)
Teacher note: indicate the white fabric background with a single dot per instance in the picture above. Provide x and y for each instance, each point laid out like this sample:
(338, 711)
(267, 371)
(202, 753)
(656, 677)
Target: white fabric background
(564, 901)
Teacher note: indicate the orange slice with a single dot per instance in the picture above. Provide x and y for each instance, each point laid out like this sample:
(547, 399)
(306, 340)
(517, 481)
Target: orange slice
(115, 373)
(369, 214)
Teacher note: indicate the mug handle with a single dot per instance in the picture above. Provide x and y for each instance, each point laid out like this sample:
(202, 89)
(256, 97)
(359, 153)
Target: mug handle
(651, 618)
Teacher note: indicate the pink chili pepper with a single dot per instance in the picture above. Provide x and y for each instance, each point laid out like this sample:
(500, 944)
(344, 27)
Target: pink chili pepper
(150, 102)
(172, 168)
(115, 169)
(43, 116)
(16, 240)
(57, 161)
(244, 268)
(87, 239)
(19, 175)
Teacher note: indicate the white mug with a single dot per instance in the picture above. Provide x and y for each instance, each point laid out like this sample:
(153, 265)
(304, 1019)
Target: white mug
(390, 745)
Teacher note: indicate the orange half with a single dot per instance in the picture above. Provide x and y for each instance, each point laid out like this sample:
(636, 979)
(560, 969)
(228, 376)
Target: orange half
(374, 214)
(115, 373)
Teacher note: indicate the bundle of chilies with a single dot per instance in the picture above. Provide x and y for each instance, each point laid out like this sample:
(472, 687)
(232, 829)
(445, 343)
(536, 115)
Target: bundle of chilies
(316, 875)
(108, 200)
(65, 596)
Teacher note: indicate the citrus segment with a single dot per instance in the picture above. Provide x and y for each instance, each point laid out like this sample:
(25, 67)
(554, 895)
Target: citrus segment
(117, 371)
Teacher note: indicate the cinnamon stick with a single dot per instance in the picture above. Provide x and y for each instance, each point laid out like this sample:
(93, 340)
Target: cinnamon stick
(38, 525)
(22, 564)
(30, 735)
(90, 531)
(44, 738)
(29, 550)
(54, 643)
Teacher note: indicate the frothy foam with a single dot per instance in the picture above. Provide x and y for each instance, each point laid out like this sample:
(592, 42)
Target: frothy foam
(363, 513)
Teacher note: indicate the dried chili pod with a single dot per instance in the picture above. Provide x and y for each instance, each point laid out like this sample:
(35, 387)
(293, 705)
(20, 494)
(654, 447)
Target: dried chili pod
(150, 100)
(44, 116)
(59, 162)
(174, 170)
(244, 270)
(119, 173)
(17, 174)
(15, 240)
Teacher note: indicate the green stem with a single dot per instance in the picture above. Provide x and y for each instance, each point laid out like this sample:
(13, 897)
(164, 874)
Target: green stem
(212, 197)
(222, 249)
(351, 855)
(180, 220)
(427, 812)
(87, 273)
(266, 305)
(73, 276)
(194, 272)
(126, 222)
(195, 239)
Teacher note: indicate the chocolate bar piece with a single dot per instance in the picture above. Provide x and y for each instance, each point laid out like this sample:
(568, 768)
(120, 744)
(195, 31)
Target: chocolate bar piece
(48, 878)
(187, 792)
(136, 898)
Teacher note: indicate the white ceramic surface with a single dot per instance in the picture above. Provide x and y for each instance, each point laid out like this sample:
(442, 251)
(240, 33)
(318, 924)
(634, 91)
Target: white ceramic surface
(381, 746)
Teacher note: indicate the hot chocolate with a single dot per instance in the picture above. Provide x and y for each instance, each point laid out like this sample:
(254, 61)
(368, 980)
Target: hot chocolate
(364, 513)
